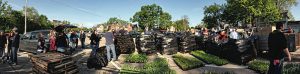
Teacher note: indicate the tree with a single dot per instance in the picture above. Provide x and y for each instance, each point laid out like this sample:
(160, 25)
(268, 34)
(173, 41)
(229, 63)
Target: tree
(246, 11)
(10, 18)
(212, 15)
(150, 16)
(182, 24)
(115, 20)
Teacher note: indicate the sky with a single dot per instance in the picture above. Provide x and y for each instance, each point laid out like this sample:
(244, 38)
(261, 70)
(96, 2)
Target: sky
(92, 12)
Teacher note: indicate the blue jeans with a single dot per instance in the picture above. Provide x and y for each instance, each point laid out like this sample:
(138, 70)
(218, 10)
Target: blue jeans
(109, 48)
(14, 56)
(94, 48)
(275, 69)
(1, 52)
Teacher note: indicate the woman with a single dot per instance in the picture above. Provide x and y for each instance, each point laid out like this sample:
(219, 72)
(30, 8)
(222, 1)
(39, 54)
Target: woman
(94, 42)
(61, 42)
(41, 43)
(73, 40)
(52, 41)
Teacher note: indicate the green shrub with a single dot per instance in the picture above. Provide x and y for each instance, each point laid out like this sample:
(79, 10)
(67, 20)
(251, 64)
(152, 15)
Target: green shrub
(158, 66)
(261, 66)
(187, 63)
(208, 58)
(136, 58)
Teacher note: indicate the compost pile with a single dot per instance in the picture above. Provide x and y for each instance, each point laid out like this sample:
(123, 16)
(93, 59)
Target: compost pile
(169, 44)
(53, 63)
(187, 42)
(124, 44)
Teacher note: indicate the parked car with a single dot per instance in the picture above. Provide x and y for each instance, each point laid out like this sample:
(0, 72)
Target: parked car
(29, 41)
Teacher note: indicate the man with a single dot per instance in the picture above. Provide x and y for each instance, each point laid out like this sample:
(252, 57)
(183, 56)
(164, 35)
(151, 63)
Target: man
(277, 48)
(95, 39)
(109, 37)
(233, 34)
(82, 39)
(3, 42)
(15, 46)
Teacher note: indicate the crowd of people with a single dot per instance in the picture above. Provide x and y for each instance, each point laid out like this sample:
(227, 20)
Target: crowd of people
(9, 42)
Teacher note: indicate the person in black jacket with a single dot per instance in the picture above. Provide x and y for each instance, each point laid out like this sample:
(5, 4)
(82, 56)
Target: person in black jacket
(277, 44)
(15, 46)
(3, 42)
(61, 42)
(82, 39)
(95, 38)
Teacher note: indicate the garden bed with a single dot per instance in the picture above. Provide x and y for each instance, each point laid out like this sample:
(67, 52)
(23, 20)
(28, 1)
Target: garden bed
(291, 68)
(260, 66)
(158, 66)
(208, 58)
(136, 58)
(187, 63)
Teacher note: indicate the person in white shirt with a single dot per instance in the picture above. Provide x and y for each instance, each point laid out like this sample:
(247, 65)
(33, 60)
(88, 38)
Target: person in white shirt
(234, 34)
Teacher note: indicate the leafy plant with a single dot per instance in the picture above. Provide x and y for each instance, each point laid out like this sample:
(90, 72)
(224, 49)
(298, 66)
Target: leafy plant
(187, 63)
(291, 68)
(208, 58)
(261, 66)
(158, 66)
(136, 58)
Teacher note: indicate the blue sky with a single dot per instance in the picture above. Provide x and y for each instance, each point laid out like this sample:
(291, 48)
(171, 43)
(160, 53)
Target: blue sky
(92, 12)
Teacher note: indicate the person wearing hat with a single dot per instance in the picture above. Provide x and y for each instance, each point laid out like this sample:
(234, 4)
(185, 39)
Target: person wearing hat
(3, 42)
(15, 46)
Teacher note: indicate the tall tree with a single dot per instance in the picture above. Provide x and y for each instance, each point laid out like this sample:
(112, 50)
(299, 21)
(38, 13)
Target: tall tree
(182, 24)
(151, 15)
(212, 15)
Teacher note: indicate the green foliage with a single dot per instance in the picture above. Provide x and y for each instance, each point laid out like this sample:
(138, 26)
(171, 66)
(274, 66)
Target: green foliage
(187, 63)
(182, 24)
(158, 66)
(10, 18)
(149, 15)
(246, 11)
(212, 15)
(261, 66)
(115, 20)
(291, 68)
(136, 58)
(209, 58)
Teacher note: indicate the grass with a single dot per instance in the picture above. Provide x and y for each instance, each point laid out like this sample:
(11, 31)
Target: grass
(187, 63)
(136, 58)
(208, 58)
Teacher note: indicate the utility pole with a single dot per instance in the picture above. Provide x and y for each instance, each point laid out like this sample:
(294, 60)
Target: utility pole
(25, 17)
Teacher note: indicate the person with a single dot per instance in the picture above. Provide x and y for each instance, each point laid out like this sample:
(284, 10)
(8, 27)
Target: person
(15, 46)
(94, 42)
(73, 40)
(9, 45)
(52, 41)
(233, 34)
(222, 38)
(3, 42)
(277, 44)
(41, 43)
(109, 38)
(82, 39)
(62, 42)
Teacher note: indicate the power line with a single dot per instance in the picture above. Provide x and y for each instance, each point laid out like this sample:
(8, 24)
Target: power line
(77, 8)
